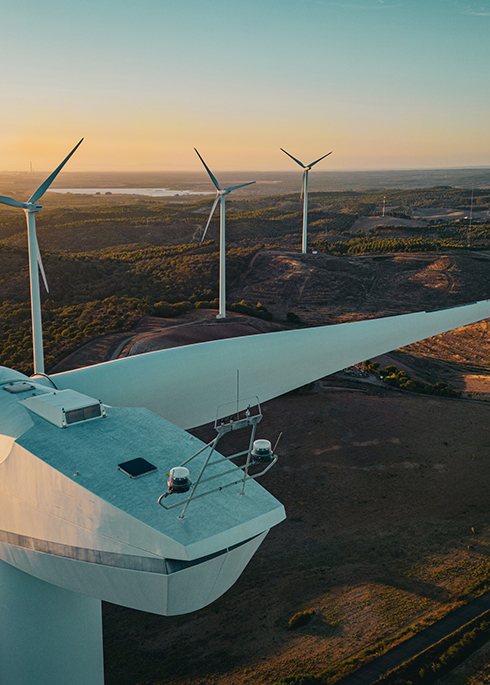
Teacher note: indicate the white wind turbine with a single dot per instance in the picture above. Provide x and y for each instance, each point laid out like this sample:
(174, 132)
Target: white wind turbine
(78, 526)
(220, 193)
(304, 192)
(30, 208)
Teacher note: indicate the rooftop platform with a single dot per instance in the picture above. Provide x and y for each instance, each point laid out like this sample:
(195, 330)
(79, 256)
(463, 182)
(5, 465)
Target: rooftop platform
(89, 452)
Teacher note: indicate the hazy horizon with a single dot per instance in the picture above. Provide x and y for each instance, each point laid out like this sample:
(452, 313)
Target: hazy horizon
(267, 182)
(108, 170)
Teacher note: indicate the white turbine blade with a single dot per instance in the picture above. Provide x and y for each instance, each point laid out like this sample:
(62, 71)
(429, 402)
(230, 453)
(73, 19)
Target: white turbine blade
(216, 200)
(319, 160)
(302, 186)
(186, 384)
(43, 188)
(242, 185)
(296, 160)
(10, 201)
(209, 171)
(41, 267)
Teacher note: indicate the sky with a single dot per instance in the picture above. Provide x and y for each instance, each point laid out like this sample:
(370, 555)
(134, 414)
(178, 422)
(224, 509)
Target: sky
(385, 84)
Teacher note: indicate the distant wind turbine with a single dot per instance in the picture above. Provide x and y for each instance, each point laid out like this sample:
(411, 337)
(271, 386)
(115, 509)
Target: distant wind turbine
(304, 193)
(30, 208)
(220, 193)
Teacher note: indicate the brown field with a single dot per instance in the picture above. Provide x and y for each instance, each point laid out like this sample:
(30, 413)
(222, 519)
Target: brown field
(382, 490)
(386, 492)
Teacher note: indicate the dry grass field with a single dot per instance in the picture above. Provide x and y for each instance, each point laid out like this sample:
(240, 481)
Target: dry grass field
(386, 492)
(383, 491)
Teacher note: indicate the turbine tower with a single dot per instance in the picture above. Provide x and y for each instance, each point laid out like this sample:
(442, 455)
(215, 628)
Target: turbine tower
(220, 194)
(30, 208)
(304, 192)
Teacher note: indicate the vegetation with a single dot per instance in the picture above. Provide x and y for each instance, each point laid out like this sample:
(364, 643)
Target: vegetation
(367, 244)
(109, 260)
(108, 293)
(257, 310)
(291, 317)
(426, 668)
(300, 619)
(398, 378)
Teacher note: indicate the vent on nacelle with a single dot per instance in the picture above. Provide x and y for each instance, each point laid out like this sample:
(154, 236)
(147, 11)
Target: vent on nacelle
(64, 407)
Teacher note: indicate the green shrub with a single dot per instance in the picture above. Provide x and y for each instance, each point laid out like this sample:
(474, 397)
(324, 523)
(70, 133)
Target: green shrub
(213, 304)
(168, 310)
(409, 385)
(291, 317)
(257, 310)
(300, 619)
(368, 365)
(300, 680)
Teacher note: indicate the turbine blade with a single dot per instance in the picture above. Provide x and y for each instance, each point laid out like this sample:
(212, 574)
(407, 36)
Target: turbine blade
(296, 160)
(302, 186)
(216, 200)
(43, 187)
(41, 267)
(319, 160)
(10, 201)
(216, 185)
(242, 185)
(186, 384)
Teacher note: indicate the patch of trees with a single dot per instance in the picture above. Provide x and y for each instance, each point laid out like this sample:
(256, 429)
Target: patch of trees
(157, 221)
(107, 264)
(368, 244)
(91, 295)
(65, 328)
(398, 378)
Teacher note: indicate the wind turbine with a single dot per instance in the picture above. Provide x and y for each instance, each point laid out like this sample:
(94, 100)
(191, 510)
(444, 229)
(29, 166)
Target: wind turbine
(304, 193)
(80, 522)
(30, 208)
(221, 193)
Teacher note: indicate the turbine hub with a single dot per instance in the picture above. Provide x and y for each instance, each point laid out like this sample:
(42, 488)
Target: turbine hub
(31, 207)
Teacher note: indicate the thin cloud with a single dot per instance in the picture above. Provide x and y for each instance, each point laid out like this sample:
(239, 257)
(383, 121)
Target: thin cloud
(476, 10)
(355, 5)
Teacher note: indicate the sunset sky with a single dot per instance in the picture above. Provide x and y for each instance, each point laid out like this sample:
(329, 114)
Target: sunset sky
(385, 84)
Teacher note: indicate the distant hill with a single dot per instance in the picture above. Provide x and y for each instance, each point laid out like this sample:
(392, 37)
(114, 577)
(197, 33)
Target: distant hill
(111, 260)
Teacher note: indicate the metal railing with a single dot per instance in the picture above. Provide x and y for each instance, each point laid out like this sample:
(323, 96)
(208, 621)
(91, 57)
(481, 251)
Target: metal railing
(248, 418)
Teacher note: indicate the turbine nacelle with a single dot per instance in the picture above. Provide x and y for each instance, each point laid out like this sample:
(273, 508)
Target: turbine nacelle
(29, 207)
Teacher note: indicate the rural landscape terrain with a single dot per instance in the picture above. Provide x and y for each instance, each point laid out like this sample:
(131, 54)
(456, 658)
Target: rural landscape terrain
(383, 470)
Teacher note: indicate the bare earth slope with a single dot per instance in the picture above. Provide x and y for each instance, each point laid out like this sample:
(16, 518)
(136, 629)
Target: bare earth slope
(329, 289)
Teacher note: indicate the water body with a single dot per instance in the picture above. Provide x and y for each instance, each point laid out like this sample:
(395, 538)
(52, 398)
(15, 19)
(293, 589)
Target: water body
(151, 192)
(171, 184)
